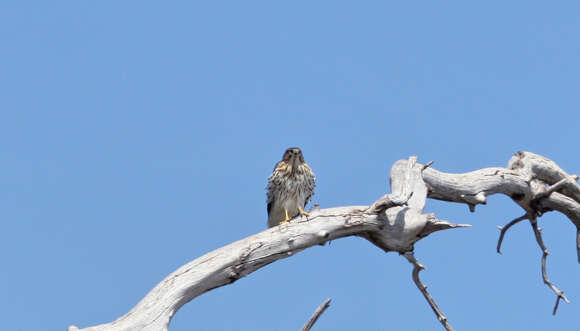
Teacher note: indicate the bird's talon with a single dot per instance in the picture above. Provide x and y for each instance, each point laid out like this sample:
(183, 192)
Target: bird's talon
(287, 217)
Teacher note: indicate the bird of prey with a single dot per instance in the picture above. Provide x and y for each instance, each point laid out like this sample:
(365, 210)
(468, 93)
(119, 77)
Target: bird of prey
(290, 187)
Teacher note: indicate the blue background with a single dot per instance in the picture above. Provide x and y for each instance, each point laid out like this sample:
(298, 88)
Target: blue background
(139, 135)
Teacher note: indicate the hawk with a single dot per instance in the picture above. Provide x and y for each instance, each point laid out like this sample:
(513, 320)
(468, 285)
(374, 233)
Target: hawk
(290, 187)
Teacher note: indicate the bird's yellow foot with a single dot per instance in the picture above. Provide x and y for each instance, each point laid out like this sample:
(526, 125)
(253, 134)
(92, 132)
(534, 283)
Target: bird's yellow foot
(287, 217)
(302, 212)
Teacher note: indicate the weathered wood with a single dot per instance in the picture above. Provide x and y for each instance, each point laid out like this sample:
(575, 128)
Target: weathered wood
(316, 315)
(395, 222)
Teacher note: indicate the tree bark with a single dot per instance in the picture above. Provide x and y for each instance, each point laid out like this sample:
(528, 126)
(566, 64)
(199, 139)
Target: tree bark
(394, 223)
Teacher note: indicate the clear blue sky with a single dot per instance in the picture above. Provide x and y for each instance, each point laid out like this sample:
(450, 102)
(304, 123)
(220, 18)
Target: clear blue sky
(138, 135)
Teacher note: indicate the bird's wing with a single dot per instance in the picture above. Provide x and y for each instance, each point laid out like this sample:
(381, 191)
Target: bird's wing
(269, 207)
(270, 196)
(310, 184)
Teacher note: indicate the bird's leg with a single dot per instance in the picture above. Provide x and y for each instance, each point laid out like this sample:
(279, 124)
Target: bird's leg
(287, 217)
(302, 212)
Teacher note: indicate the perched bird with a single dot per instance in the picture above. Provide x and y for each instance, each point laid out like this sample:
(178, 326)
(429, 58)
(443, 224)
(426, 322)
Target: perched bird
(290, 187)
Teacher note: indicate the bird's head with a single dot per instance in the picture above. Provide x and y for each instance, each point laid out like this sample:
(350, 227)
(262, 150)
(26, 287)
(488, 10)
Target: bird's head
(293, 156)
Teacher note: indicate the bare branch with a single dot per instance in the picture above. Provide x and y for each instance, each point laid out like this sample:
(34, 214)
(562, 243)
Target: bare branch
(557, 186)
(464, 188)
(525, 180)
(232, 262)
(559, 294)
(407, 181)
(539, 167)
(417, 267)
(505, 228)
(394, 223)
(316, 315)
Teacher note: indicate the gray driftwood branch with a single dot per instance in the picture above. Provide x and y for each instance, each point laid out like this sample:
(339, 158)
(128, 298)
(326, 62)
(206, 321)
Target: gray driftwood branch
(394, 223)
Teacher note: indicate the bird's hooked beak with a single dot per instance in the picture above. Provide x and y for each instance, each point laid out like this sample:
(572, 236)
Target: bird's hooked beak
(295, 157)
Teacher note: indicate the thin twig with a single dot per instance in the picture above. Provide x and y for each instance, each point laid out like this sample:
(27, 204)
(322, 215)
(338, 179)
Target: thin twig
(316, 315)
(427, 165)
(506, 227)
(560, 294)
(417, 267)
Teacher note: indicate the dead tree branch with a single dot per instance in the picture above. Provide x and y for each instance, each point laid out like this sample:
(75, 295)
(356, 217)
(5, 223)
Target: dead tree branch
(417, 267)
(316, 315)
(507, 227)
(394, 223)
(545, 253)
